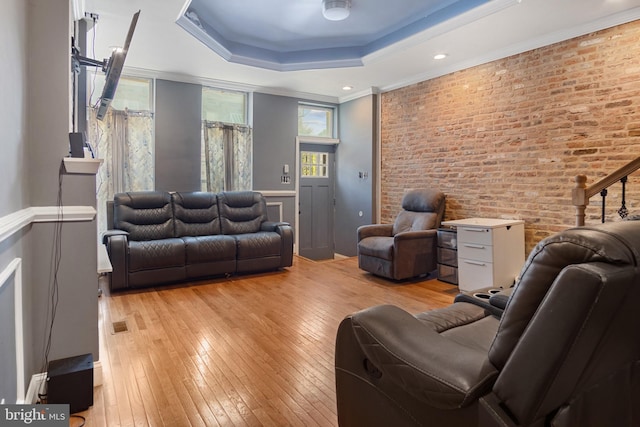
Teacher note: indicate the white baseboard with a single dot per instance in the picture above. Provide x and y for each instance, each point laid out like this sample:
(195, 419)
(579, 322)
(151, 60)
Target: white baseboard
(36, 385)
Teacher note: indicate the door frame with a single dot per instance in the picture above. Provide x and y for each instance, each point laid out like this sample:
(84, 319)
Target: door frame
(306, 140)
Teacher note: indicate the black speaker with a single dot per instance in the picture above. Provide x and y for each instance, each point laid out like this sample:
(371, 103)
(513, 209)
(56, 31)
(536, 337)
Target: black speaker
(70, 381)
(76, 144)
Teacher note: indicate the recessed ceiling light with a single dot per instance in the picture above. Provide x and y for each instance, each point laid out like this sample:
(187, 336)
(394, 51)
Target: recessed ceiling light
(440, 56)
(347, 87)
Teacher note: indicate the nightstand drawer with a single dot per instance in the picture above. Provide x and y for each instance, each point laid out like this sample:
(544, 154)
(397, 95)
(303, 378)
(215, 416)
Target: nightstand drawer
(474, 235)
(447, 239)
(476, 251)
(447, 274)
(474, 274)
(447, 256)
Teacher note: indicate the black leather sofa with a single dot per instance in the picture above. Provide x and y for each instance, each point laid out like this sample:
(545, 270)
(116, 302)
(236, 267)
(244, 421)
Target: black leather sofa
(158, 237)
(564, 352)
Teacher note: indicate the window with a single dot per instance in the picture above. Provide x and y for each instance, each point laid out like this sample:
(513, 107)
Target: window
(314, 164)
(124, 139)
(132, 93)
(227, 143)
(224, 106)
(314, 120)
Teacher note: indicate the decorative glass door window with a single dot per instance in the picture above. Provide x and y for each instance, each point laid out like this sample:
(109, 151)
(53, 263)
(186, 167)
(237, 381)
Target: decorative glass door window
(314, 164)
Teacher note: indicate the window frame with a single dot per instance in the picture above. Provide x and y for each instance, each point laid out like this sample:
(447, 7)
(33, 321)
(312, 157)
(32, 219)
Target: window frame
(332, 127)
(247, 102)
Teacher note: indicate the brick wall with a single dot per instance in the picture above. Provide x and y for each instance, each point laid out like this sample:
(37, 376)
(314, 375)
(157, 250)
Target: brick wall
(506, 139)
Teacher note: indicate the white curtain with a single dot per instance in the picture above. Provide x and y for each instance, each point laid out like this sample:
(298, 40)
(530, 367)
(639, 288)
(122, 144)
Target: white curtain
(124, 139)
(227, 152)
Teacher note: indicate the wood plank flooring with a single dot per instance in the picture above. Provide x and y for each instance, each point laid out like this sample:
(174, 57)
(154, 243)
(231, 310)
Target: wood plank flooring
(254, 350)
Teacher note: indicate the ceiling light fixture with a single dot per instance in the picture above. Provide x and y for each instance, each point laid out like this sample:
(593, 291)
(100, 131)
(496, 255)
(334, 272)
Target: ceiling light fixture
(440, 56)
(336, 10)
(347, 87)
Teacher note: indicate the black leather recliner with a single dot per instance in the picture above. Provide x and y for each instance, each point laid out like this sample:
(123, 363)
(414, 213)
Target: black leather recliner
(566, 351)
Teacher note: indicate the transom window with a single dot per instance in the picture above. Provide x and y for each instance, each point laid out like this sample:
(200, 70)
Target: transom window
(314, 164)
(314, 120)
(224, 106)
(133, 93)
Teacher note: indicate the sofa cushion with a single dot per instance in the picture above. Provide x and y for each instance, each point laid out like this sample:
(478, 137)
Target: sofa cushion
(257, 245)
(145, 215)
(241, 212)
(156, 254)
(203, 249)
(196, 214)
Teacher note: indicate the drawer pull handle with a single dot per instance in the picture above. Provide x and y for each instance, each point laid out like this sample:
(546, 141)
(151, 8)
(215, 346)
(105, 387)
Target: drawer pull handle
(475, 230)
(482, 264)
(468, 245)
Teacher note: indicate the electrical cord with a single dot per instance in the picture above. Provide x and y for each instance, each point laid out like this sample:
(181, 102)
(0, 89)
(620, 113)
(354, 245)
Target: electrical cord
(56, 257)
(93, 55)
(84, 420)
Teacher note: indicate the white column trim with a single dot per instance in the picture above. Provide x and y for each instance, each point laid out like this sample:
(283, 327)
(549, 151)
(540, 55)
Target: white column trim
(14, 222)
(15, 267)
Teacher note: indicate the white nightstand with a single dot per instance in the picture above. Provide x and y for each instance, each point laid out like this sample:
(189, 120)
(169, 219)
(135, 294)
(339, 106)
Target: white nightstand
(490, 252)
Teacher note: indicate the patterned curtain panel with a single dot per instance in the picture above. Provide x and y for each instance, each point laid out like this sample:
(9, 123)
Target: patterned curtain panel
(124, 139)
(227, 153)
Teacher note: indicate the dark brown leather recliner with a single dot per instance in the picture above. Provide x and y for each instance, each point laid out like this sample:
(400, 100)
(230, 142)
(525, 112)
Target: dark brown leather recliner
(406, 248)
(566, 351)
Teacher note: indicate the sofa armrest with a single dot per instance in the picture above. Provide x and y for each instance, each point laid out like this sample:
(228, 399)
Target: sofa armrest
(118, 250)
(372, 230)
(432, 368)
(109, 233)
(286, 240)
(272, 225)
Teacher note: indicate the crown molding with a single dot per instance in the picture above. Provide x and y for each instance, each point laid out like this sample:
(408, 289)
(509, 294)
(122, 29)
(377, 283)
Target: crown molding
(535, 43)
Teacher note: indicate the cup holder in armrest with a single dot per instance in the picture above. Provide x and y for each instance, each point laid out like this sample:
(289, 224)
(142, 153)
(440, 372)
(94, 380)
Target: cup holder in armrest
(493, 300)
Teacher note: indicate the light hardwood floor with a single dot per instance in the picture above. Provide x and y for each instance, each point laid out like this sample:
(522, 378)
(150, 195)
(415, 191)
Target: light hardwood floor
(255, 350)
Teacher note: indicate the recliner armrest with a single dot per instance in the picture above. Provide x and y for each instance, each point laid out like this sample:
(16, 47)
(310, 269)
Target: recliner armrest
(373, 230)
(109, 233)
(434, 369)
(418, 234)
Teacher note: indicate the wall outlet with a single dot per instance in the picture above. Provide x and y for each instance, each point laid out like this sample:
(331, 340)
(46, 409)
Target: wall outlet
(285, 179)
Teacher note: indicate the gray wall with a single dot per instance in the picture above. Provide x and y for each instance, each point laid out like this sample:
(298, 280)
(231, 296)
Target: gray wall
(275, 127)
(355, 155)
(14, 194)
(76, 324)
(35, 116)
(177, 141)
(177, 138)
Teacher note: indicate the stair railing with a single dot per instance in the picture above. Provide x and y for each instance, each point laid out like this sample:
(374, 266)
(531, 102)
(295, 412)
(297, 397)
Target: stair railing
(581, 194)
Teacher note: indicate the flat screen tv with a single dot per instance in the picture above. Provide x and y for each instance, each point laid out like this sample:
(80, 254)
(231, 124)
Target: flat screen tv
(113, 68)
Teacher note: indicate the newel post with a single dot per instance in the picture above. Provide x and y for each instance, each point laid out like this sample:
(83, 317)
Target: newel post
(579, 198)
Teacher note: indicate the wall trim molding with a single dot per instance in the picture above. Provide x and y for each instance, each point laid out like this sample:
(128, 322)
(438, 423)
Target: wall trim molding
(277, 193)
(14, 222)
(15, 269)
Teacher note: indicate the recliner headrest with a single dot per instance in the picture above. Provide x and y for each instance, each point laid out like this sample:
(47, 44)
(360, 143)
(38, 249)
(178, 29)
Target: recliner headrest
(422, 200)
